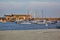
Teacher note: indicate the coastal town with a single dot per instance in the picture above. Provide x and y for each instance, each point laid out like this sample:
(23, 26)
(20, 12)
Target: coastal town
(12, 18)
(15, 17)
(29, 19)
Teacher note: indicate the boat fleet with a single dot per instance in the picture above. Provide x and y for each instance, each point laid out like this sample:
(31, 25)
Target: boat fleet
(44, 22)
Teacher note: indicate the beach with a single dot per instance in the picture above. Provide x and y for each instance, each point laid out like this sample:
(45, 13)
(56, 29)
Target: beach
(42, 34)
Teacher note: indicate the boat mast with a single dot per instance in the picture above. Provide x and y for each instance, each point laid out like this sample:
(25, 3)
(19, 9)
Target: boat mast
(42, 13)
(28, 12)
(34, 14)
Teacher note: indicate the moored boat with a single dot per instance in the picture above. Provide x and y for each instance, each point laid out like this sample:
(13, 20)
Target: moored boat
(25, 22)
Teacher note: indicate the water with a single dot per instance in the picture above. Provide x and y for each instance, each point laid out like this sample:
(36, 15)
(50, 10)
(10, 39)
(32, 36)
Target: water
(14, 26)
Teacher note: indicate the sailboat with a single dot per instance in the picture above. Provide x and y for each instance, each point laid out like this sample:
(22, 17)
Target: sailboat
(34, 21)
(41, 21)
(25, 21)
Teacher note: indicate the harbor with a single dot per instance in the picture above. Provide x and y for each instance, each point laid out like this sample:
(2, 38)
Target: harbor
(19, 17)
(15, 26)
(29, 19)
(26, 22)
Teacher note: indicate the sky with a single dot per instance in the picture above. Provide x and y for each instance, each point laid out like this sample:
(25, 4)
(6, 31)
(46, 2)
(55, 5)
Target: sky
(50, 8)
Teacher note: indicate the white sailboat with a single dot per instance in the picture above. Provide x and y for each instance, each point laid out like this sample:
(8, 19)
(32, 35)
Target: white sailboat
(41, 21)
(46, 24)
(34, 21)
(26, 22)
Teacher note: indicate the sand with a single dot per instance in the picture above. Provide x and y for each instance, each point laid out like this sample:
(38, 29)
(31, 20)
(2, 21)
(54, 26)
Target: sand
(42, 34)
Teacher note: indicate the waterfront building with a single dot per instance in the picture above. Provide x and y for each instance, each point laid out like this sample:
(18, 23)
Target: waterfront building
(15, 17)
(48, 19)
(2, 19)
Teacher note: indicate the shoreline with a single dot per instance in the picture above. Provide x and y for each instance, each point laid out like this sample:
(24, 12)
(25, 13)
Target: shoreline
(42, 34)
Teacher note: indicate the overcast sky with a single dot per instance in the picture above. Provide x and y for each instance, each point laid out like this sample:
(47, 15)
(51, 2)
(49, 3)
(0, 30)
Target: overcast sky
(51, 8)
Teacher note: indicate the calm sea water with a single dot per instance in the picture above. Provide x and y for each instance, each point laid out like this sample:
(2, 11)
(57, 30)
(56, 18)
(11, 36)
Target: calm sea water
(14, 26)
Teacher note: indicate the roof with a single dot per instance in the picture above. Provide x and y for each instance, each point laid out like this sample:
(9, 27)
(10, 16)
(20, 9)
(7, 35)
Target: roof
(17, 15)
(2, 18)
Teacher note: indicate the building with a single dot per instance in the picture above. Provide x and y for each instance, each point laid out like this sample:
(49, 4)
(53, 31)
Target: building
(49, 19)
(15, 17)
(2, 19)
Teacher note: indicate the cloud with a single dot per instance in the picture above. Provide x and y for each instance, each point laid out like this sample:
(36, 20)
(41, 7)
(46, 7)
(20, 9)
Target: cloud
(26, 5)
(32, 3)
(11, 4)
(45, 3)
(18, 7)
(30, 0)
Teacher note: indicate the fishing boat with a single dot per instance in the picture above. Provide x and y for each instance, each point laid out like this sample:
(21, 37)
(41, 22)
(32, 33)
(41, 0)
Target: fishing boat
(34, 22)
(25, 22)
(42, 22)
(22, 22)
(58, 21)
(52, 22)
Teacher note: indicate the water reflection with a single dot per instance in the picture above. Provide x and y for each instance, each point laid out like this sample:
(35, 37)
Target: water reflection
(14, 26)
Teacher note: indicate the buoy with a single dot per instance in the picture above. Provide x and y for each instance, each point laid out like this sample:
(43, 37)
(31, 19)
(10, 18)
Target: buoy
(46, 24)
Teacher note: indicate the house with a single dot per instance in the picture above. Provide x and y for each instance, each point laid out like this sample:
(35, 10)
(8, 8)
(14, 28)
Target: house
(2, 19)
